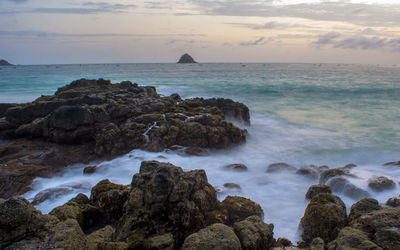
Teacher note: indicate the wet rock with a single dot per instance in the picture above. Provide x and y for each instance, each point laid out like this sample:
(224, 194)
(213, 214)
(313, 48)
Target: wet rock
(316, 189)
(164, 198)
(282, 242)
(341, 185)
(393, 202)
(280, 167)
(99, 237)
(363, 207)
(80, 199)
(237, 167)
(392, 163)
(324, 217)
(109, 198)
(164, 242)
(50, 194)
(216, 236)
(253, 233)
(231, 185)
(317, 244)
(381, 183)
(334, 172)
(351, 238)
(196, 151)
(239, 208)
(89, 170)
(322, 168)
(308, 171)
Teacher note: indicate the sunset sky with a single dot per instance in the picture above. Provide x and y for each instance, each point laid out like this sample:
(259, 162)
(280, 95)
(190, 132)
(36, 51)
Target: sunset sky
(72, 31)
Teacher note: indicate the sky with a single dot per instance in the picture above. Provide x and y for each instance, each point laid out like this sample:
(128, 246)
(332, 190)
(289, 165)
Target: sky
(135, 31)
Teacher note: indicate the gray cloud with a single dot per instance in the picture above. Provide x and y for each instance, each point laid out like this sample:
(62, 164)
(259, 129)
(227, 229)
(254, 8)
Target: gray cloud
(336, 40)
(259, 41)
(342, 11)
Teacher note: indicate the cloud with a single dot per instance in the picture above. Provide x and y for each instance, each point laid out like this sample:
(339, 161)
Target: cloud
(341, 11)
(259, 41)
(336, 40)
(17, 1)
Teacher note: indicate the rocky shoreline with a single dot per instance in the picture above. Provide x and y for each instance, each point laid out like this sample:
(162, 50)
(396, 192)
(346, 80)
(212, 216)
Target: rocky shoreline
(164, 207)
(94, 119)
(167, 208)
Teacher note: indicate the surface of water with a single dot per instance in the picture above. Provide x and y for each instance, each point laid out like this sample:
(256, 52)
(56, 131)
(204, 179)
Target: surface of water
(300, 114)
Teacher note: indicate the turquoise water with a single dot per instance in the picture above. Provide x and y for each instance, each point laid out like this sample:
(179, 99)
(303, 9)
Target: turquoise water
(323, 114)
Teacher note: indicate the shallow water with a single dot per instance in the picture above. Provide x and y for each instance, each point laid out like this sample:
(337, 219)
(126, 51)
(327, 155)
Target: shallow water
(301, 114)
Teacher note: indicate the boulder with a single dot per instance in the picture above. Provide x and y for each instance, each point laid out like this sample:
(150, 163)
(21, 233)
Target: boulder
(186, 58)
(217, 236)
(253, 233)
(342, 185)
(231, 185)
(100, 237)
(308, 171)
(393, 202)
(351, 238)
(89, 170)
(50, 194)
(164, 198)
(335, 172)
(380, 183)
(324, 217)
(282, 242)
(280, 167)
(316, 189)
(317, 244)
(237, 167)
(392, 163)
(363, 207)
(237, 208)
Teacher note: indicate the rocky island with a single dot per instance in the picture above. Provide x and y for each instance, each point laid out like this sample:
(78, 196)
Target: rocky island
(186, 58)
(5, 63)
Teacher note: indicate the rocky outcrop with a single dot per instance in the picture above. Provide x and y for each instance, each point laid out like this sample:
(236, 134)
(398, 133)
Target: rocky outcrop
(317, 189)
(253, 233)
(92, 119)
(5, 63)
(381, 183)
(363, 207)
(324, 217)
(351, 238)
(186, 58)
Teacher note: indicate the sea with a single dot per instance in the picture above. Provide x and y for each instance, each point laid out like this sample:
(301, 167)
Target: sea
(301, 114)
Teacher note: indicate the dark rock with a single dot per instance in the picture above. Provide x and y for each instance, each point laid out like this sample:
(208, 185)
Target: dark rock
(5, 63)
(186, 58)
(392, 163)
(381, 183)
(196, 151)
(162, 242)
(164, 198)
(239, 208)
(317, 244)
(89, 170)
(237, 167)
(317, 189)
(363, 207)
(232, 185)
(341, 185)
(217, 236)
(280, 167)
(393, 202)
(99, 237)
(282, 242)
(351, 238)
(334, 172)
(80, 199)
(324, 217)
(253, 233)
(308, 171)
(50, 194)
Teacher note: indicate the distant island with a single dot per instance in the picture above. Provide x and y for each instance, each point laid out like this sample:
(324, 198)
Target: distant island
(186, 58)
(5, 63)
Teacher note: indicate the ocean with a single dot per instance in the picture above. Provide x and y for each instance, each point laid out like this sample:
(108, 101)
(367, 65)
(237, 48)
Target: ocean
(301, 114)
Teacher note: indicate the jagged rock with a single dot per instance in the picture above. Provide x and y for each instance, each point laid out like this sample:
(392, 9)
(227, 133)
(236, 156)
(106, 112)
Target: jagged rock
(104, 120)
(341, 185)
(217, 236)
(381, 183)
(5, 63)
(316, 189)
(393, 202)
(237, 208)
(324, 217)
(280, 167)
(109, 198)
(164, 198)
(317, 244)
(237, 167)
(363, 207)
(351, 238)
(89, 170)
(186, 58)
(253, 233)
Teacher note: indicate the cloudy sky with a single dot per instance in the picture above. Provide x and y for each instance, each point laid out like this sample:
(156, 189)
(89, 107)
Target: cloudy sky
(73, 31)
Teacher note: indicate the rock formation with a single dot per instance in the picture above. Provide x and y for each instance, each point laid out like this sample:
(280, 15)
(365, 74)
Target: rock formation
(186, 58)
(5, 63)
(92, 119)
